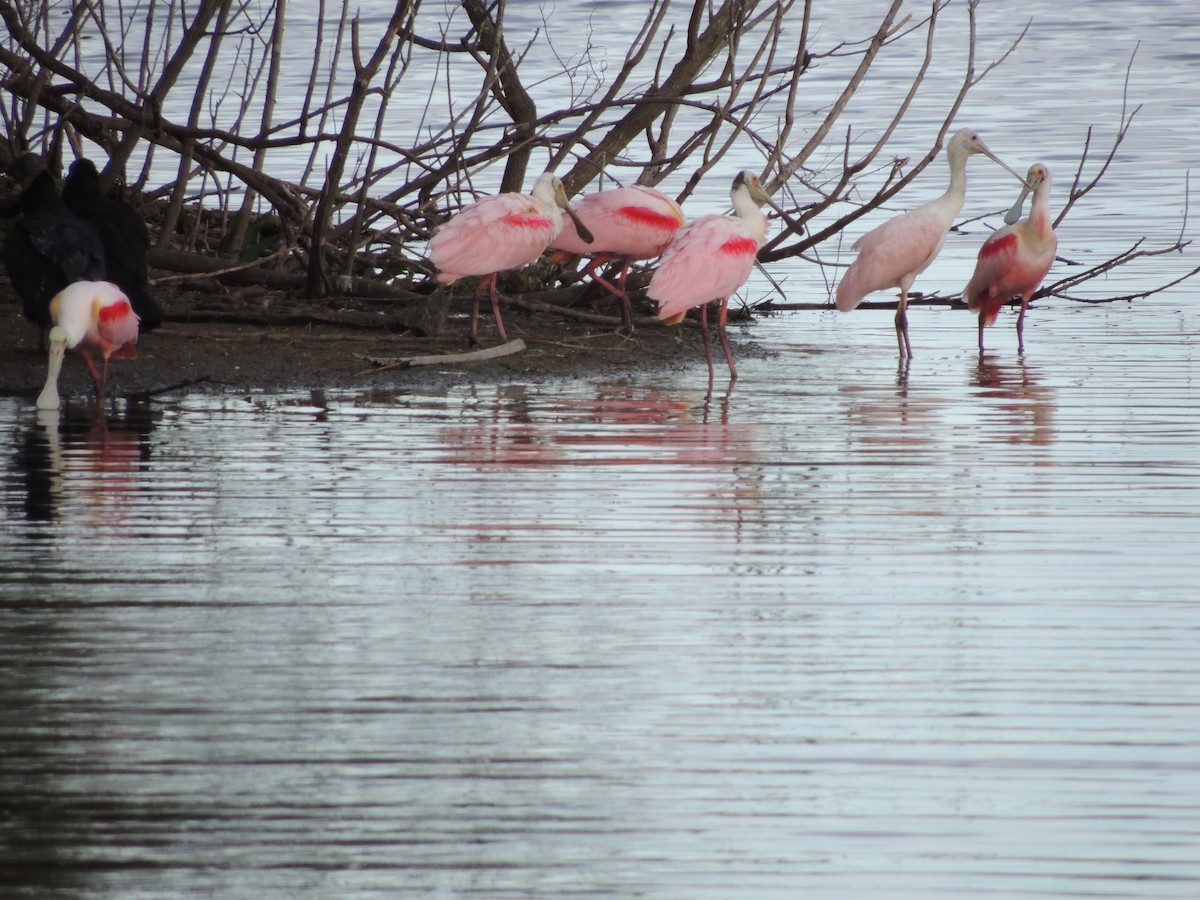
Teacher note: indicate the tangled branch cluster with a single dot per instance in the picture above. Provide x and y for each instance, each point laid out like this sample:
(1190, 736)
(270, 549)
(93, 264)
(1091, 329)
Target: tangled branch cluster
(194, 104)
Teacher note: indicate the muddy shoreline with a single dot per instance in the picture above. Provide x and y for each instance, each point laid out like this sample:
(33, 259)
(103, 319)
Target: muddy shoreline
(250, 339)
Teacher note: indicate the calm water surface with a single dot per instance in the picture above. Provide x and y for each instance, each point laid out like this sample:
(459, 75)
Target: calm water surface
(848, 630)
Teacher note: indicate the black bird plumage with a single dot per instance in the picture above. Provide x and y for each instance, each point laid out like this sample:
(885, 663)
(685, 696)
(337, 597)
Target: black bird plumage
(123, 233)
(48, 247)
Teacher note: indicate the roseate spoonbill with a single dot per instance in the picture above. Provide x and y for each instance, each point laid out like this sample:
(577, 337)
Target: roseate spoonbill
(48, 247)
(708, 260)
(123, 233)
(498, 233)
(1016, 258)
(893, 254)
(89, 317)
(628, 224)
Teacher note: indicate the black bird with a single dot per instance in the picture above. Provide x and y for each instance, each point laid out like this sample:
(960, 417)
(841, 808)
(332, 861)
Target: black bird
(48, 247)
(123, 233)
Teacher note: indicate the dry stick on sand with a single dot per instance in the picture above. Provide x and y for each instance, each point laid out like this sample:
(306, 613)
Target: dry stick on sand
(380, 364)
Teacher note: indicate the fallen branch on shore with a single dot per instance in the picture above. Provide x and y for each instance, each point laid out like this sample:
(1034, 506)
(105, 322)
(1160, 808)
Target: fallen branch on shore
(382, 363)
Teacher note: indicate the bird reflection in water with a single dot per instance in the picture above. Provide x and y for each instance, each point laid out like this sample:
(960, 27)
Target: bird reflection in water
(620, 425)
(1024, 408)
(74, 460)
(544, 459)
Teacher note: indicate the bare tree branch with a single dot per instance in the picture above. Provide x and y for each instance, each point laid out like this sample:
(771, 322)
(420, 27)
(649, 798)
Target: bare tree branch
(692, 85)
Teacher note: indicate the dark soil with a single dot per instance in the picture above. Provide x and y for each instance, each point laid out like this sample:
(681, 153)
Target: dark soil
(242, 339)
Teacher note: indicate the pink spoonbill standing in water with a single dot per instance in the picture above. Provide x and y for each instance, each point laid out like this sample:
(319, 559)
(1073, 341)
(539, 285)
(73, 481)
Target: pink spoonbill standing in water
(628, 224)
(1015, 259)
(893, 254)
(498, 233)
(709, 259)
(90, 317)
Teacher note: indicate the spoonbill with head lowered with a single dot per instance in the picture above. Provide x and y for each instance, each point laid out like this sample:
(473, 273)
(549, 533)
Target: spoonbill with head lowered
(628, 224)
(498, 233)
(89, 317)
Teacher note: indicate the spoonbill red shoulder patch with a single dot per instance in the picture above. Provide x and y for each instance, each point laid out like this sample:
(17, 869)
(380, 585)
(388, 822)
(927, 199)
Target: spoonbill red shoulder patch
(114, 311)
(739, 246)
(998, 245)
(652, 217)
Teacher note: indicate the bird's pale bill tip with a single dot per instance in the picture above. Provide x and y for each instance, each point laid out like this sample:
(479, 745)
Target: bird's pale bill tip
(49, 396)
(1014, 214)
(48, 400)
